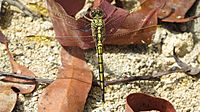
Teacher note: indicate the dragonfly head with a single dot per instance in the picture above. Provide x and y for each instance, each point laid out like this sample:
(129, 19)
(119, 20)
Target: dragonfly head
(96, 12)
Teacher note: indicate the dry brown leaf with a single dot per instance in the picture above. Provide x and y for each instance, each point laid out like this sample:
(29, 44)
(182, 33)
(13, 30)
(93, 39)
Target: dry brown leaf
(177, 10)
(69, 91)
(3, 38)
(134, 31)
(172, 10)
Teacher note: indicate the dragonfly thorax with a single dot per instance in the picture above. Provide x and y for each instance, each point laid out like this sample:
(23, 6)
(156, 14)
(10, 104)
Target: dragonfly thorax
(97, 22)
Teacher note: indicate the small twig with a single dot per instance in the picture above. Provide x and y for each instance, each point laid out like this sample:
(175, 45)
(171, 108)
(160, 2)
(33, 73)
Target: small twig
(23, 77)
(22, 7)
(130, 79)
(6, 74)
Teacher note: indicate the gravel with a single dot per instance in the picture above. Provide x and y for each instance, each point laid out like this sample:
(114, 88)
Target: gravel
(120, 61)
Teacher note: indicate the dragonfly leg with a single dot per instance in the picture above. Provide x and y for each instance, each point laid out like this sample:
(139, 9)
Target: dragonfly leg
(87, 18)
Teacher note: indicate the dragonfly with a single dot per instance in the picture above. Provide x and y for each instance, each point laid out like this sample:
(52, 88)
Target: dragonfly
(98, 33)
(95, 32)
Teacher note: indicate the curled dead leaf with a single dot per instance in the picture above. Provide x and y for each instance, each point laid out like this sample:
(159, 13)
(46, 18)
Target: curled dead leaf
(172, 10)
(19, 85)
(137, 102)
(17, 68)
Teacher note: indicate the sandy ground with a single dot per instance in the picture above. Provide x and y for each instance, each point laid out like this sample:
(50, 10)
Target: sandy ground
(120, 61)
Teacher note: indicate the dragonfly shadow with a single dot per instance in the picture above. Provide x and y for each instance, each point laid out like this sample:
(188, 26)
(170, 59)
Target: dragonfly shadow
(114, 49)
(126, 49)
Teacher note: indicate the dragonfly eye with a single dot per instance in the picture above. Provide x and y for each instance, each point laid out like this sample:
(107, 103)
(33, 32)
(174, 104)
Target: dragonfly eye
(93, 13)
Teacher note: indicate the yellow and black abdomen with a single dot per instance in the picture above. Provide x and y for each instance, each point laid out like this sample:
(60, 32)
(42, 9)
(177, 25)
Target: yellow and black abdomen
(100, 62)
